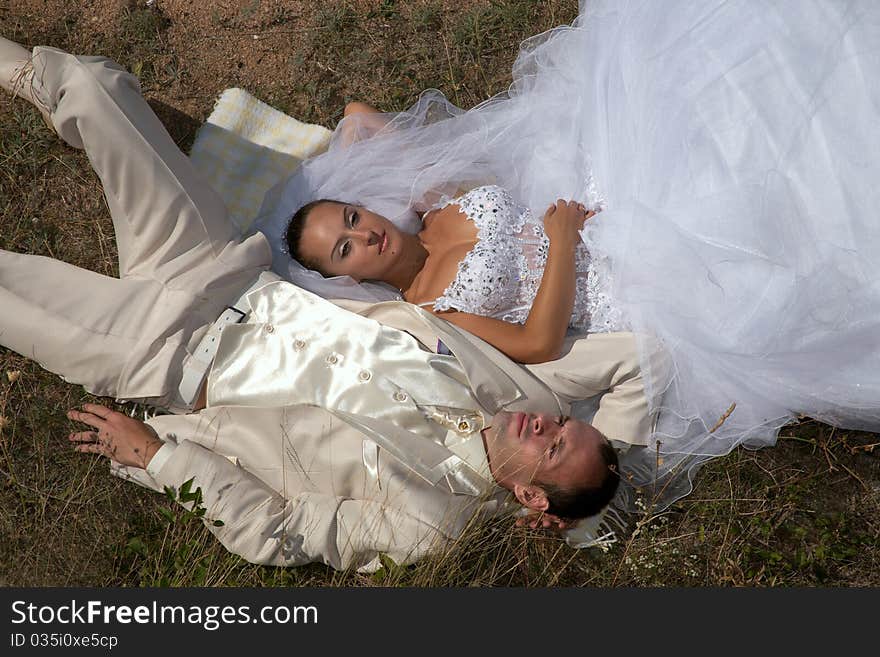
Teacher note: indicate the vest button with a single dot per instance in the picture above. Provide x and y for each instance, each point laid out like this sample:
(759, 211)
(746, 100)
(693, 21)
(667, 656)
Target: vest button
(332, 359)
(364, 375)
(269, 328)
(299, 345)
(400, 396)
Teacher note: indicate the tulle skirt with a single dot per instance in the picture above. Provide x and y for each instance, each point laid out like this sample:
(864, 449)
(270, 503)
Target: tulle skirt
(733, 146)
(737, 149)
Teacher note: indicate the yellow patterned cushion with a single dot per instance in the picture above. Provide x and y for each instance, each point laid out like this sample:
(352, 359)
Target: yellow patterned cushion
(246, 146)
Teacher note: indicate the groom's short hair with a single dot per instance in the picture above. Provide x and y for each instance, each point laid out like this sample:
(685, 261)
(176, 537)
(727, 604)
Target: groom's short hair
(585, 501)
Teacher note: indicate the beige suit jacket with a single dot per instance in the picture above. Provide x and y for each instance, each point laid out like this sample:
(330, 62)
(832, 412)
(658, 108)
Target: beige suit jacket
(605, 364)
(292, 485)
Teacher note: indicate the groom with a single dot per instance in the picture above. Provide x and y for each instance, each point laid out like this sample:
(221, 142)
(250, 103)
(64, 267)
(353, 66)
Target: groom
(315, 433)
(328, 436)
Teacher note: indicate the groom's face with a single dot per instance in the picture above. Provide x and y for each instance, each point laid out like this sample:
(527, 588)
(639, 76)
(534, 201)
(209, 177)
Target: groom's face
(524, 447)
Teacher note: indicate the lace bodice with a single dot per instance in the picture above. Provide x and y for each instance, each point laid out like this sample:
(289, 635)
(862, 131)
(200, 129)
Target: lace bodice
(500, 276)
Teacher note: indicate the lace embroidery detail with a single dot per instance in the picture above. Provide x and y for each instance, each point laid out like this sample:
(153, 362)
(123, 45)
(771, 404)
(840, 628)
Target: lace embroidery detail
(501, 275)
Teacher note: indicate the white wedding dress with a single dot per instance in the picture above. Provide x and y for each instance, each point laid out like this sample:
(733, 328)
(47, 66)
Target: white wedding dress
(501, 275)
(734, 145)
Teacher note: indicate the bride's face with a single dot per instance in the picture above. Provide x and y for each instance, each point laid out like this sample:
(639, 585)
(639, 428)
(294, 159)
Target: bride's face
(349, 240)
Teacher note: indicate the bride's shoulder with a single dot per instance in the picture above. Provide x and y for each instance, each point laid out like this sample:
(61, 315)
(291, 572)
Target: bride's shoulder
(441, 215)
(482, 192)
(467, 199)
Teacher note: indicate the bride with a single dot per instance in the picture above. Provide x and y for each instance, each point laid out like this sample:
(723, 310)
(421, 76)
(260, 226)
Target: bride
(731, 147)
(480, 261)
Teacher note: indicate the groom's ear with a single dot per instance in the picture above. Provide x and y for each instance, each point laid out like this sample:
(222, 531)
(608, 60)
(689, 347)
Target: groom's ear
(531, 496)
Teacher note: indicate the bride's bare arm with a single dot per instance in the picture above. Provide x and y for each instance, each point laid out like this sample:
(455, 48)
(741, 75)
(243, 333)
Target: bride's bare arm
(361, 121)
(540, 338)
(357, 107)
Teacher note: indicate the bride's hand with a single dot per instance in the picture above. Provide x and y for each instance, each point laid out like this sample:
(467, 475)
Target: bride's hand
(564, 220)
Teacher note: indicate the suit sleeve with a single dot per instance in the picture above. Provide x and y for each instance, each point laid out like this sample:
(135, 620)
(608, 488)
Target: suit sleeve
(264, 527)
(605, 364)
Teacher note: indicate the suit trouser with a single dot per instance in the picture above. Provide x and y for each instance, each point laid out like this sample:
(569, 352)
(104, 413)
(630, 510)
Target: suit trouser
(181, 260)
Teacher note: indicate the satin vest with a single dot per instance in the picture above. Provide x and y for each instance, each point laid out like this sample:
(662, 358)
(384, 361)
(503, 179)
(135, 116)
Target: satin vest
(298, 348)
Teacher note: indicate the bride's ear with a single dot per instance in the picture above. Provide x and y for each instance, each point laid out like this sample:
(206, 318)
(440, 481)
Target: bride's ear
(531, 496)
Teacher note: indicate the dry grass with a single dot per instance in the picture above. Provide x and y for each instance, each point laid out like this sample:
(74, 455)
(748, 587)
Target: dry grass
(802, 513)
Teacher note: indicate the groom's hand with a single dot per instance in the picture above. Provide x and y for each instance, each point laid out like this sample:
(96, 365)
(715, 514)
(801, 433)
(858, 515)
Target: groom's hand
(536, 519)
(114, 435)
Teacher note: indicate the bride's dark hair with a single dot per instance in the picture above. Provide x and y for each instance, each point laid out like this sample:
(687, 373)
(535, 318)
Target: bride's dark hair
(294, 233)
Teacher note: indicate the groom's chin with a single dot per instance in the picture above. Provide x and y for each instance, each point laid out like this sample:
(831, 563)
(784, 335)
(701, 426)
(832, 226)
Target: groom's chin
(496, 435)
(500, 420)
